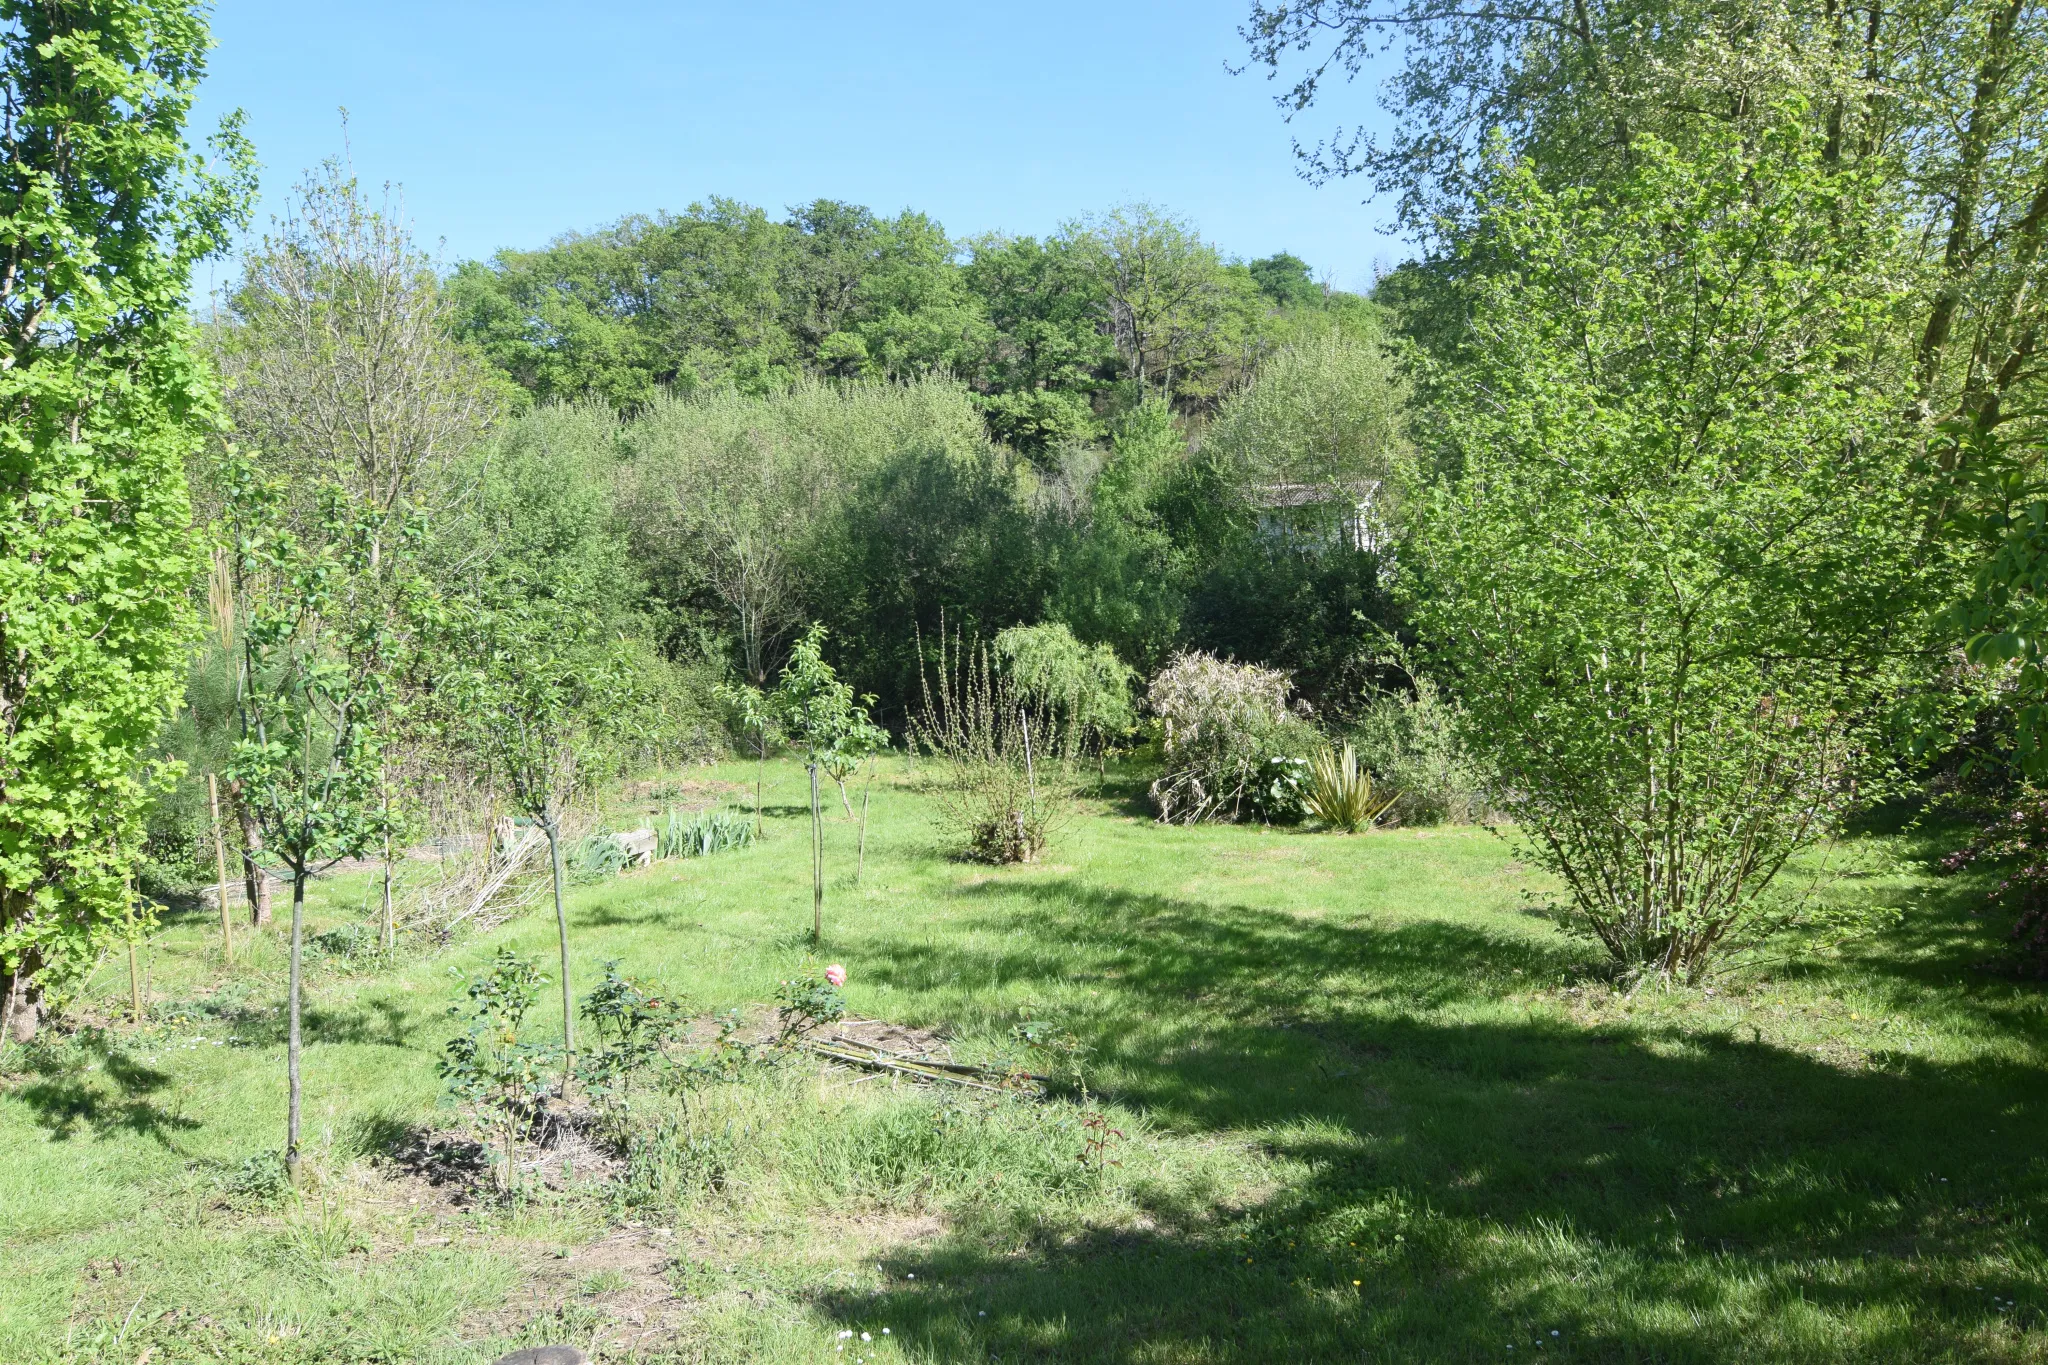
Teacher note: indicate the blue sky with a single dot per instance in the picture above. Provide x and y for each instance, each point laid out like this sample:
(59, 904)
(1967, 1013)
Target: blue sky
(507, 123)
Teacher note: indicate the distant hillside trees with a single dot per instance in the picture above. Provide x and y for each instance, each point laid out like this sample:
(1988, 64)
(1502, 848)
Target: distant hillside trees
(1042, 331)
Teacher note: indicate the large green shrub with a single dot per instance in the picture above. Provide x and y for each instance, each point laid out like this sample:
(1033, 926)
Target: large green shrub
(1411, 742)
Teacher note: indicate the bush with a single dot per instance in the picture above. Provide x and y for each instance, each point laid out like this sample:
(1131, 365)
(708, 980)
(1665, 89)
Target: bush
(1085, 686)
(596, 859)
(1007, 761)
(1411, 743)
(1223, 725)
(2015, 838)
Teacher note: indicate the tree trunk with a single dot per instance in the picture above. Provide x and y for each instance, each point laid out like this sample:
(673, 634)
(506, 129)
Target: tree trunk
(553, 830)
(760, 776)
(817, 863)
(220, 868)
(291, 1047)
(390, 930)
(254, 884)
(21, 1000)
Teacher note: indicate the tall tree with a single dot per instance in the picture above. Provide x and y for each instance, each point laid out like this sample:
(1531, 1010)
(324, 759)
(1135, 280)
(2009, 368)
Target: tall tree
(538, 596)
(1945, 101)
(103, 211)
(335, 353)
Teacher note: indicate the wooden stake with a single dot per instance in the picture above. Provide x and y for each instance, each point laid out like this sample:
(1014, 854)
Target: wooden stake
(134, 982)
(817, 864)
(220, 869)
(861, 859)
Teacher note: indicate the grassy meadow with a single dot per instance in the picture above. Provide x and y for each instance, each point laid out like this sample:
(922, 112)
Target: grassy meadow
(1368, 1104)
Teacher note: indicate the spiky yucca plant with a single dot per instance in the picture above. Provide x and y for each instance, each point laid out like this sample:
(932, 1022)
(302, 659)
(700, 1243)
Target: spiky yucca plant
(1341, 794)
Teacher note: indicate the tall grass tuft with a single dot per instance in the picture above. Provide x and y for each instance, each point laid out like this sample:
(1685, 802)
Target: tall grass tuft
(1341, 794)
(701, 835)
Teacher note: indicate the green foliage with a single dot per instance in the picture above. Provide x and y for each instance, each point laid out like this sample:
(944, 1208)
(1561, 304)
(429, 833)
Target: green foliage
(1004, 755)
(805, 1004)
(1086, 688)
(1223, 724)
(500, 1078)
(598, 858)
(1341, 794)
(317, 654)
(1327, 411)
(703, 834)
(1670, 572)
(538, 664)
(820, 714)
(106, 212)
(1413, 741)
(636, 1030)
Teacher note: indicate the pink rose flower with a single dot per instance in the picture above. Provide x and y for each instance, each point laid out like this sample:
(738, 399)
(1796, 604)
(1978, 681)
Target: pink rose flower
(836, 974)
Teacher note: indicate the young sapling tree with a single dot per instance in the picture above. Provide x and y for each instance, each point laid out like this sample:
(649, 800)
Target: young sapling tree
(488, 1067)
(821, 716)
(754, 715)
(313, 684)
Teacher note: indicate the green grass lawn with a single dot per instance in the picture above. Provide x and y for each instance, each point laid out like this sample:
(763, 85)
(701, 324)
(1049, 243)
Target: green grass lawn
(1373, 1107)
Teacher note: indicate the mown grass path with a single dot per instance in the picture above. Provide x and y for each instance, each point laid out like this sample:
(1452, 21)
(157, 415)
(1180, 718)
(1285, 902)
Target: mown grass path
(1374, 1107)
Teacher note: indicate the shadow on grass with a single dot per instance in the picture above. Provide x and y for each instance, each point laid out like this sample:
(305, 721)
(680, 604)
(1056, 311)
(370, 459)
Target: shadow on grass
(1458, 1174)
(94, 1086)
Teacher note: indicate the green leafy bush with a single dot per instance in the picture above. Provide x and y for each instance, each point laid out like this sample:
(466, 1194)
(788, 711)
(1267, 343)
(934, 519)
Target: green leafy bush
(805, 1004)
(1411, 742)
(1086, 686)
(1223, 725)
(488, 1069)
(598, 858)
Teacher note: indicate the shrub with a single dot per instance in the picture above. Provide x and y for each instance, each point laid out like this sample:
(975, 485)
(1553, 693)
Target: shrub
(2017, 838)
(597, 859)
(1411, 742)
(1086, 686)
(1341, 794)
(1223, 725)
(502, 1081)
(1006, 758)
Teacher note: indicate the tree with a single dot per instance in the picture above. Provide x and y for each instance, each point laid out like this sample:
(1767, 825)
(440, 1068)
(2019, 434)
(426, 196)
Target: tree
(1946, 104)
(753, 715)
(313, 686)
(338, 369)
(821, 716)
(104, 209)
(1172, 309)
(1675, 572)
(534, 654)
(335, 354)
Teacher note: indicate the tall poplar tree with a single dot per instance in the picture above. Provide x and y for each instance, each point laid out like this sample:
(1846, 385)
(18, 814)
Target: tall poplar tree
(104, 208)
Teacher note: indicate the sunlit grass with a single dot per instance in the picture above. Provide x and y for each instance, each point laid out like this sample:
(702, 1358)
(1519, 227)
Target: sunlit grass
(1374, 1105)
